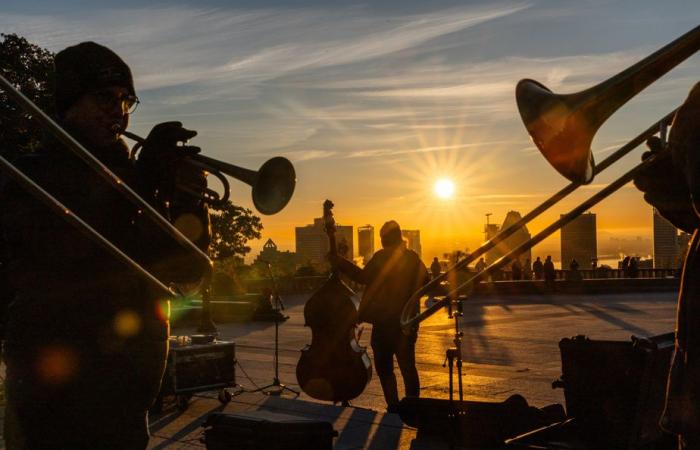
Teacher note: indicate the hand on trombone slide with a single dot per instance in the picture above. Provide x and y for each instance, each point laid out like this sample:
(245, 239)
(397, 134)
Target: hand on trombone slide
(671, 184)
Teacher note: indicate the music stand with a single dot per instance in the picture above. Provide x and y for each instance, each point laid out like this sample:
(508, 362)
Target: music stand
(277, 306)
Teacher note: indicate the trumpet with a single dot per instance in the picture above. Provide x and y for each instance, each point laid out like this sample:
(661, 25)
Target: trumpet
(562, 126)
(272, 184)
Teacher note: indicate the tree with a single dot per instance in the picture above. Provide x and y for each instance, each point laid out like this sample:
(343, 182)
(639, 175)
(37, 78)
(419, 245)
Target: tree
(28, 67)
(232, 227)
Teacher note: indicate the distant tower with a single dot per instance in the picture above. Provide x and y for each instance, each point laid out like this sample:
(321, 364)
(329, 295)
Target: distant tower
(365, 242)
(666, 249)
(513, 241)
(312, 243)
(579, 241)
(412, 238)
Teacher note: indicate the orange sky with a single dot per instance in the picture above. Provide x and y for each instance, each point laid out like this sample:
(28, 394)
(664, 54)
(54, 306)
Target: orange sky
(374, 102)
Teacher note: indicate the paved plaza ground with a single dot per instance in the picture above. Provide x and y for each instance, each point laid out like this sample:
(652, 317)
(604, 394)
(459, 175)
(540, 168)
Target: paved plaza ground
(510, 346)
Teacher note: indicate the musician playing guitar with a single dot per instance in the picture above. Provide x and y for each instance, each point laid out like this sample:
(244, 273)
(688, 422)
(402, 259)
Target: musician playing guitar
(391, 276)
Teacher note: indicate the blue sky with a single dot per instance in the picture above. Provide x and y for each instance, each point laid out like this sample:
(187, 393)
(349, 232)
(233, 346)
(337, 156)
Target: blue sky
(373, 101)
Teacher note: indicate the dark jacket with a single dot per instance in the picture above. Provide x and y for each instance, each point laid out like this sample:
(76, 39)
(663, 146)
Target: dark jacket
(682, 413)
(391, 277)
(66, 286)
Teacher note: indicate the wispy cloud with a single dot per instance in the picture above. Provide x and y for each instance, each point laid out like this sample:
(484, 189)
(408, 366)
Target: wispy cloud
(179, 45)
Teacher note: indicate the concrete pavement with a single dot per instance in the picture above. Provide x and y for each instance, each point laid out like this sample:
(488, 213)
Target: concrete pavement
(510, 346)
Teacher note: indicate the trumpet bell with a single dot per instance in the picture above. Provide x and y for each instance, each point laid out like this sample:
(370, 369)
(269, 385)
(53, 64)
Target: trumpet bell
(560, 128)
(274, 185)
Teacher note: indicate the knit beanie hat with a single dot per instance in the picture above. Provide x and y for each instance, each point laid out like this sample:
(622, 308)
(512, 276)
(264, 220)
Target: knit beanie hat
(85, 67)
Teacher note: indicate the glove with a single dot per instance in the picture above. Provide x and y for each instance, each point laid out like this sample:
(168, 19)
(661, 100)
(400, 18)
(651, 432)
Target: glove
(665, 188)
(161, 157)
(161, 150)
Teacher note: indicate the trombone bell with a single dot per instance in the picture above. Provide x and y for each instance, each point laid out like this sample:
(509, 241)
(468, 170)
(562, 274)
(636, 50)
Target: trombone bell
(562, 126)
(562, 133)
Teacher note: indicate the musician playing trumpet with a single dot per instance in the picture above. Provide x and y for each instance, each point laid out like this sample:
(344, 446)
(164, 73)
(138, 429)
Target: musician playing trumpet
(86, 336)
(672, 186)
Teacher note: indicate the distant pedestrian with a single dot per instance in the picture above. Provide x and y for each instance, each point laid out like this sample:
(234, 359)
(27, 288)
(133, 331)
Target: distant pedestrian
(549, 273)
(527, 270)
(538, 268)
(574, 274)
(435, 268)
(435, 271)
(480, 265)
(516, 270)
(625, 266)
(633, 268)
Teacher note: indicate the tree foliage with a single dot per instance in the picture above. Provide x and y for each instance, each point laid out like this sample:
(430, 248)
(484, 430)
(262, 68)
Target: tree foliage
(28, 67)
(232, 227)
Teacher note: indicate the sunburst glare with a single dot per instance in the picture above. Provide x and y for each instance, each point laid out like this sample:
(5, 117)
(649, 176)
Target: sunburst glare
(444, 188)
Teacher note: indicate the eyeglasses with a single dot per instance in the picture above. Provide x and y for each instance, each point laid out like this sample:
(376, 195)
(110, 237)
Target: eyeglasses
(106, 99)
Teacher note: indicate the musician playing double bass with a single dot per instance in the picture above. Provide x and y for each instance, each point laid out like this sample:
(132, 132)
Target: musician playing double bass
(673, 187)
(86, 337)
(391, 276)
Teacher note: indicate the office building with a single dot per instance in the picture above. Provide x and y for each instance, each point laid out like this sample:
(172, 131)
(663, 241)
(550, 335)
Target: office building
(365, 242)
(579, 241)
(312, 243)
(412, 238)
(666, 251)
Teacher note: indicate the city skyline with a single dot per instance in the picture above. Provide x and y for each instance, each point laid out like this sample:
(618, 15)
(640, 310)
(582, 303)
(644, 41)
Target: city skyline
(607, 251)
(375, 103)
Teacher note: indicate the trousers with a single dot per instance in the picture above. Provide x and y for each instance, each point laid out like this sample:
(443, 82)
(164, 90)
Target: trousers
(388, 342)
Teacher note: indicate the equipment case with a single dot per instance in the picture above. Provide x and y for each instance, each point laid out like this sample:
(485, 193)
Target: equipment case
(264, 430)
(197, 368)
(614, 393)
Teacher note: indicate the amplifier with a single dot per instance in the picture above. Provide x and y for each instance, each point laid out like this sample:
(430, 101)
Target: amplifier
(200, 367)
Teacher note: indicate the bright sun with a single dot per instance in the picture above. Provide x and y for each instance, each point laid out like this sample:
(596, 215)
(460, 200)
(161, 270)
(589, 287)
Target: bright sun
(444, 188)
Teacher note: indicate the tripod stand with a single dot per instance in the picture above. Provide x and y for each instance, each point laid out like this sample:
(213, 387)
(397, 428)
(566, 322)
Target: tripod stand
(276, 388)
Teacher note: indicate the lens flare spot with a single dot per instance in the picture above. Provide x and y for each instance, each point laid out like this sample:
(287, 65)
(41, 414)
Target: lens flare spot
(57, 364)
(190, 225)
(444, 188)
(127, 323)
(163, 310)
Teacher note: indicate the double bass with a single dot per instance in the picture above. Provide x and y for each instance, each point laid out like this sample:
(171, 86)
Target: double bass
(334, 367)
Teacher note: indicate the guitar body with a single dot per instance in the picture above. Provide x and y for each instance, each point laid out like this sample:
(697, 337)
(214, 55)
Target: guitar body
(333, 367)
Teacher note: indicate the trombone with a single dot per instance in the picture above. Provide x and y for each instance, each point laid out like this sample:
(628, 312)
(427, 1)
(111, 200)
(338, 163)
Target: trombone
(562, 126)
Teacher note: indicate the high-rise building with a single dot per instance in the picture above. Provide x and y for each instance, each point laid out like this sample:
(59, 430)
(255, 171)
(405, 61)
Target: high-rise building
(312, 243)
(412, 238)
(666, 249)
(579, 241)
(507, 245)
(365, 242)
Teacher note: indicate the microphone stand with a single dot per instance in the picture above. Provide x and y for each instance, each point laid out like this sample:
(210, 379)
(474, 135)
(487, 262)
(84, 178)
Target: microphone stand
(453, 357)
(276, 388)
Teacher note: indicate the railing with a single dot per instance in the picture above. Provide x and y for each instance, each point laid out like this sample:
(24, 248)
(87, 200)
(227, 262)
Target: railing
(303, 285)
(588, 274)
